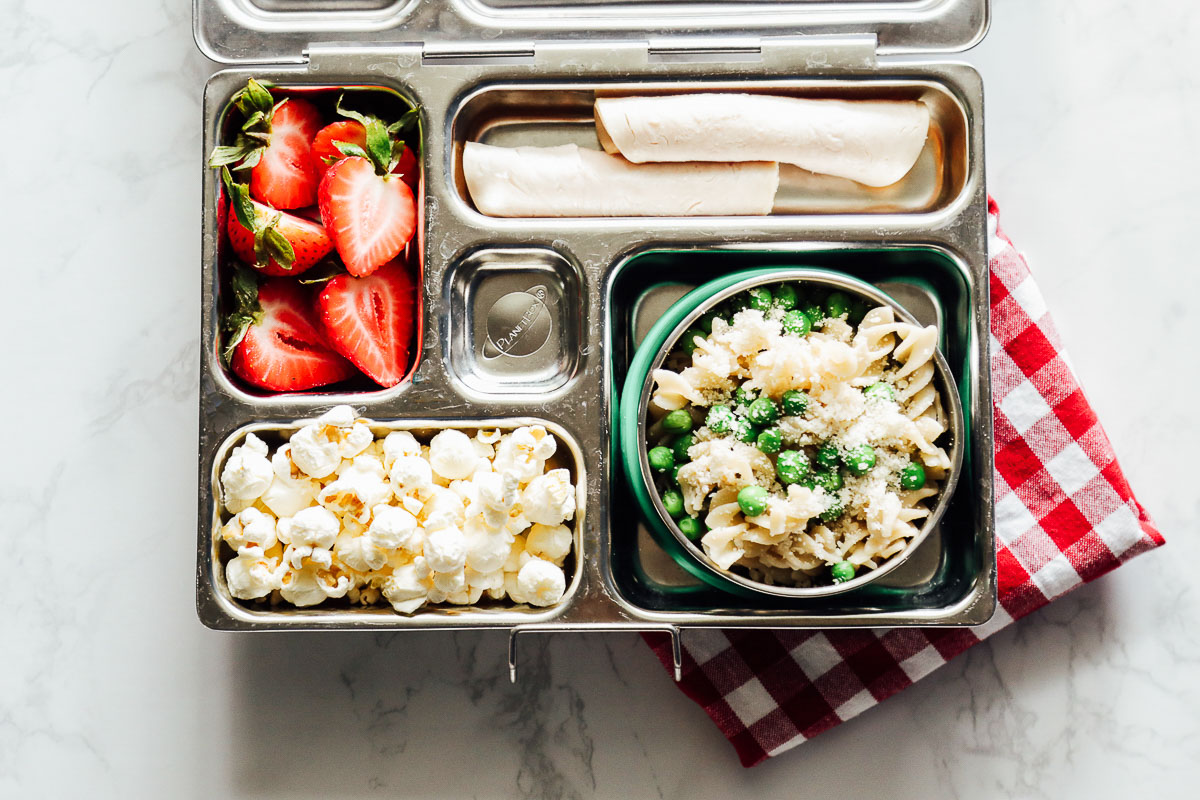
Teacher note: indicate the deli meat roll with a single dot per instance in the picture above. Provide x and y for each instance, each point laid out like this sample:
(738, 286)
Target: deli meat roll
(569, 181)
(874, 142)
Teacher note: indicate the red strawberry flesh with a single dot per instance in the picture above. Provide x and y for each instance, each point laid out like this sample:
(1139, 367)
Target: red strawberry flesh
(286, 350)
(370, 320)
(370, 217)
(284, 176)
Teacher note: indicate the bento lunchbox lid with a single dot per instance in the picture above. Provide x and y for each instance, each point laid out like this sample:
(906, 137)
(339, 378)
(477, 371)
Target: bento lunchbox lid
(282, 31)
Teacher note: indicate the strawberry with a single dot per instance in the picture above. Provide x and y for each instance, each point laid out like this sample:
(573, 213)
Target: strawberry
(326, 153)
(369, 216)
(370, 320)
(274, 143)
(273, 242)
(275, 338)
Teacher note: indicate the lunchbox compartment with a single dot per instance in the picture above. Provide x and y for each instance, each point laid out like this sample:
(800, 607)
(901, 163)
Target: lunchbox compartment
(514, 320)
(220, 610)
(387, 102)
(556, 113)
(947, 569)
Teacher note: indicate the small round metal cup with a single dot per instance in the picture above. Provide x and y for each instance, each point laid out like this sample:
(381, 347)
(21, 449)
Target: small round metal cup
(951, 404)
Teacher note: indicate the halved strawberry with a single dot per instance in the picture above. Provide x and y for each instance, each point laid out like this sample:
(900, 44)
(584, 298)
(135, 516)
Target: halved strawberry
(276, 342)
(273, 242)
(284, 177)
(326, 153)
(370, 320)
(274, 143)
(309, 241)
(369, 216)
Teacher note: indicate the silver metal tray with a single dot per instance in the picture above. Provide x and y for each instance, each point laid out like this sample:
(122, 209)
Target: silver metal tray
(588, 276)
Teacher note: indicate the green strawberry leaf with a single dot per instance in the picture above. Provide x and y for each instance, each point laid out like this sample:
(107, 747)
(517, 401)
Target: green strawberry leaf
(405, 122)
(350, 113)
(240, 204)
(251, 160)
(350, 149)
(247, 311)
(398, 148)
(276, 245)
(227, 154)
(256, 118)
(254, 98)
(325, 270)
(379, 145)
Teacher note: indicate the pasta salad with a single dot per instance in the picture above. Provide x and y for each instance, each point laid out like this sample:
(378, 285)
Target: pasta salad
(795, 434)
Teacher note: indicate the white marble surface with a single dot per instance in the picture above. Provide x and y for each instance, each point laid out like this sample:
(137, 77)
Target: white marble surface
(110, 687)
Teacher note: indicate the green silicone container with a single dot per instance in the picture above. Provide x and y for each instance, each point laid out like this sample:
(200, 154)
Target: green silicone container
(630, 433)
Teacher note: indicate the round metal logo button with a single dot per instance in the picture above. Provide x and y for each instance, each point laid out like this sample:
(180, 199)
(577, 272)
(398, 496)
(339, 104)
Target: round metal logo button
(518, 324)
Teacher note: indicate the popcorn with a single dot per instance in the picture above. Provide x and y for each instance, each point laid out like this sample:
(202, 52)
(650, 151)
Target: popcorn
(541, 583)
(452, 455)
(524, 452)
(251, 574)
(405, 589)
(394, 528)
(446, 550)
(410, 474)
(450, 582)
(399, 443)
(357, 489)
(315, 526)
(250, 528)
(443, 509)
(550, 542)
(292, 490)
(319, 448)
(247, 474)
(336, 513)
(360, 553)
(549, 499)
(487, 550)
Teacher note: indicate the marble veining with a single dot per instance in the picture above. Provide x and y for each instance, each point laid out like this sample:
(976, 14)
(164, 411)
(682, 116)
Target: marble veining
(110, 687)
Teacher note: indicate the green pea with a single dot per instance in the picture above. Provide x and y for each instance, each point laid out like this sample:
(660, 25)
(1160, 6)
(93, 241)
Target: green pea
(752, 500)
(913, 476)
(794, 403)
(860, 460)
(880, 391)
(858, 310)
(720, 419)
(791, 466)
(744, 430)
(769, 441)
(661, 459)
(814, 313)
(690, 527)
(739, 301)
(763, 411)
(842, 571)
(837, 305)
(827, 457)
(673, 503)
(680, 447)
(829, 480)
(675, 473)
(705, 323)
(678, 421)
(761, 298)
(797, 323)
(744, 396)
(833, 512)
(785, 296)
(689, 339)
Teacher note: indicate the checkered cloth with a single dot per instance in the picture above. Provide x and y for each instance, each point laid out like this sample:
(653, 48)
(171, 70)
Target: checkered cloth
(1064, 515)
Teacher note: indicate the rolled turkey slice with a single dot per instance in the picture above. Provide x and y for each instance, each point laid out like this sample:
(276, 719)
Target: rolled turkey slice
(569, 181)
(874, 142)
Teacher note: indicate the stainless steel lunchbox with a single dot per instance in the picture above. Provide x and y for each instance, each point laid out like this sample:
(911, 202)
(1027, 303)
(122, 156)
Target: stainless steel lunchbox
(527, 71)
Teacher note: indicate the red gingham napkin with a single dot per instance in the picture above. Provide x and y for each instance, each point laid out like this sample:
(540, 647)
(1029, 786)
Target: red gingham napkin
(1064, 515)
